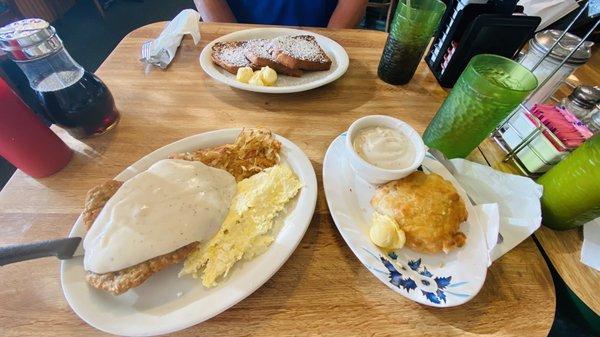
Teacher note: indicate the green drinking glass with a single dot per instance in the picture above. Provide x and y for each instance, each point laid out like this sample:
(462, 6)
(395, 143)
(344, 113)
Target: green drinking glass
(413, 25)
(572, 188)
(489, 88)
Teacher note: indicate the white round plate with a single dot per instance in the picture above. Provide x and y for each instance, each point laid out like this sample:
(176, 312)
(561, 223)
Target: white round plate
(285, 84)
(439, 280)
(167, 303)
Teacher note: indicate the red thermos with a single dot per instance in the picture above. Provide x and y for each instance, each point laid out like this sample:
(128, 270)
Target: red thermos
(25, 141)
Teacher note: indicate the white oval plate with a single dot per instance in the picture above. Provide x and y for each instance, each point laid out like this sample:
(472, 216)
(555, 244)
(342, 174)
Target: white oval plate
(285, 84)
(438, 280)
(167, 303)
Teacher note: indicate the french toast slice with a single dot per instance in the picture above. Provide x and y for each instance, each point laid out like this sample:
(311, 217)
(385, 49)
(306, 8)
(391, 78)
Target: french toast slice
(231, 56)
(300, 52)
(258, 52)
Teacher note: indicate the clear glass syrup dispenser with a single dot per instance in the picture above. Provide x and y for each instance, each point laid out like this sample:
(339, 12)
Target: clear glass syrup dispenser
(73, 98)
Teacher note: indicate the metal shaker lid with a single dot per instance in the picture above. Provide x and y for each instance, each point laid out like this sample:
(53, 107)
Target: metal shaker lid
(29, 39)
(544, 40)
(585, 96)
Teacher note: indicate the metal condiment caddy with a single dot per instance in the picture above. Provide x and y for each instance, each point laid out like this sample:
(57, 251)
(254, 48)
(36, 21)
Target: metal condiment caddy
(515, 150)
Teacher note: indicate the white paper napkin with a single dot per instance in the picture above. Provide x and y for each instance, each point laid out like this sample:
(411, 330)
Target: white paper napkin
(489, 217)
(590, 250)
(549, 10)
(163, 48)
(517, 199)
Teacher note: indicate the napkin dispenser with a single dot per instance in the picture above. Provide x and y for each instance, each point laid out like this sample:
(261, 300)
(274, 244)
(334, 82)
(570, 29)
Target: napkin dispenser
(472, 27)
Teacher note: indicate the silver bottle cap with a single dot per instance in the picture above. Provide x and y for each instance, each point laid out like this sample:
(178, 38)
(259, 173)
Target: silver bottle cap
(586, 96)
(29, 39)
(544, 40)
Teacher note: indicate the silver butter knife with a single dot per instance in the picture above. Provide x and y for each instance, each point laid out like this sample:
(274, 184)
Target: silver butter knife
(441, 158)
(63, 249)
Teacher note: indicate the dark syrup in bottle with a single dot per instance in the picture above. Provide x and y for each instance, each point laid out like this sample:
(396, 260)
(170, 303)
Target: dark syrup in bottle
(84, 108)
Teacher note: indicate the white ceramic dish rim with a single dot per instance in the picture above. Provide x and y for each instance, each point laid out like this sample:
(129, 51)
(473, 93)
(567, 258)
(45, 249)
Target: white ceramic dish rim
(341, 58)
(301, 214)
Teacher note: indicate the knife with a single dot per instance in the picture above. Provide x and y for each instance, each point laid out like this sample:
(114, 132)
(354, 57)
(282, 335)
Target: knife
(63, 249)
(441, 158)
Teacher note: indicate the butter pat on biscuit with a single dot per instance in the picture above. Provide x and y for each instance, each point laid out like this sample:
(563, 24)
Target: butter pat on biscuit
(385, 232)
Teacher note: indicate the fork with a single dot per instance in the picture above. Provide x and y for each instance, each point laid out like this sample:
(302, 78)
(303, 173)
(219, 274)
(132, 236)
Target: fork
(160, 60)
(146, 50)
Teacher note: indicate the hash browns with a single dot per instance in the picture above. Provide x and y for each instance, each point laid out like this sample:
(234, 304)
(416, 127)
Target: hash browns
(252, 151)
(427, 208)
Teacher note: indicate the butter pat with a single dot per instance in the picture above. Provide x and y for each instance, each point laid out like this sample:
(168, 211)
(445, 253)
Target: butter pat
(385, 232)
(244, 74)
(268, 75)
(256, 79)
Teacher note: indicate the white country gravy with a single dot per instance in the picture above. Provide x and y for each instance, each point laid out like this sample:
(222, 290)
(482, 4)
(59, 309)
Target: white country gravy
(384, 147)
(172, 204)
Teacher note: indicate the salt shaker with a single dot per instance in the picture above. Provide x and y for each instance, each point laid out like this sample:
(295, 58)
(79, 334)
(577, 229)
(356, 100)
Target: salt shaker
(593, 121)
(539, 46)
(582, 101)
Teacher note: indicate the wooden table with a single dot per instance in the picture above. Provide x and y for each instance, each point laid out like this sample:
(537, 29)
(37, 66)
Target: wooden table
(322, 289)
(563, 248)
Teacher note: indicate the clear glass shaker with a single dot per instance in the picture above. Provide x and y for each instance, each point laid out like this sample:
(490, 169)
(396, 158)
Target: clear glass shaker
(539, 46)
(593, 120)
(72, 97)
(582, 101)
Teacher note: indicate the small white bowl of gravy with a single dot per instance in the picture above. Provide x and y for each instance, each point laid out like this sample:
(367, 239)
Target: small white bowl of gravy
(382, 148)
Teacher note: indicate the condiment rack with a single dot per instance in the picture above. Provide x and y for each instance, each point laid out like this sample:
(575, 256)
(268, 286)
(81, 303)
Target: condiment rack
(512, 127)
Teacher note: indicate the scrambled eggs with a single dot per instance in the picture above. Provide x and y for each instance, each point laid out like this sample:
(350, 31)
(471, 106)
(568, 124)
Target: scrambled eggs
(246, 231)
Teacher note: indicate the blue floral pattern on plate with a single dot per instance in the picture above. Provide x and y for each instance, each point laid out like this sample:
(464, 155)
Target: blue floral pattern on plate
(415, 276)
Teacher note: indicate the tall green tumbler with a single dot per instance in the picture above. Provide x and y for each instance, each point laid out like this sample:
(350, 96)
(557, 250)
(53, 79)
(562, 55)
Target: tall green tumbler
(489, 88)
(572, 188)
(414, 23)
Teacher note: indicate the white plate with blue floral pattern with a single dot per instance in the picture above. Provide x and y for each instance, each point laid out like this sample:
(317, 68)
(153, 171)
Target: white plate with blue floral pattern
(438, 280)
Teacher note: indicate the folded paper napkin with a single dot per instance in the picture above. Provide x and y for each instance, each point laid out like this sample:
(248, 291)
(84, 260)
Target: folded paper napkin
(590, 250)
(517, 199)
(163, 48)
(489, 218)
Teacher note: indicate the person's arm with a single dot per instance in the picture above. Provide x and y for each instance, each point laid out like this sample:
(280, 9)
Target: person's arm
(347, 14)
(214, 11)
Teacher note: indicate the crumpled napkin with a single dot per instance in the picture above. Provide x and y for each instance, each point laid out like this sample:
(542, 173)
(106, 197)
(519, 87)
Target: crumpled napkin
(164, 47)
(590, 250)
(517, 199)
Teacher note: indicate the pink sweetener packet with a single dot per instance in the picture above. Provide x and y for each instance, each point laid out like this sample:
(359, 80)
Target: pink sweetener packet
(565, 125)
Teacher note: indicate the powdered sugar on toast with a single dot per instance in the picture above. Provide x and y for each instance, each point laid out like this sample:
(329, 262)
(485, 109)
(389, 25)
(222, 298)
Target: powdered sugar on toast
(275, 53)
(301, 47)
(260, 48)
(233, 54)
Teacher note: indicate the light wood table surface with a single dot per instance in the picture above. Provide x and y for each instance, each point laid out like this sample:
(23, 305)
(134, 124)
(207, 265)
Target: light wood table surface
(563, 248)
(322, 289)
